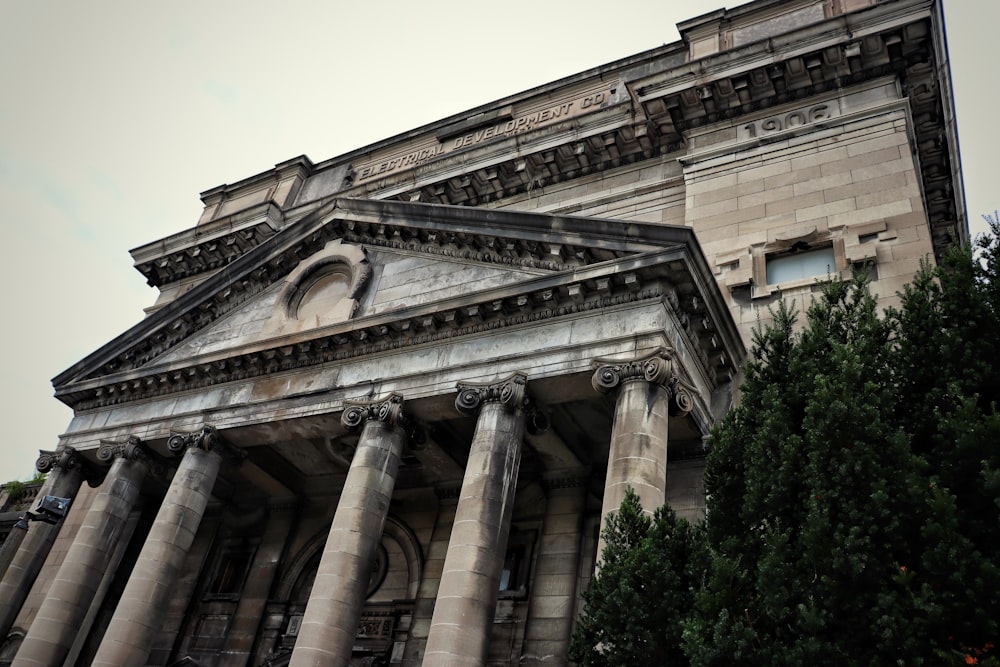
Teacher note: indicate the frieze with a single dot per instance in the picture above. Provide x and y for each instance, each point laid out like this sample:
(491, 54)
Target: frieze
(376, 626)
(358, 343)
(787, 121)
(557, 112)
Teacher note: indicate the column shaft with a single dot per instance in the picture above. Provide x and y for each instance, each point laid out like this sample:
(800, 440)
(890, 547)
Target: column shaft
(553, 591)
(130, 634)
(638, 457)
(437, 550)
(13, 542)
(462, 622)
(330, 623)
(62, 482)
(75, 586)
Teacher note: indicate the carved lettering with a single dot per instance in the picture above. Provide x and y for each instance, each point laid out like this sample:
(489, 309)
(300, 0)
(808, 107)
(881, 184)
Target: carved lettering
(407, 160)
(505, 129)
(799, 117)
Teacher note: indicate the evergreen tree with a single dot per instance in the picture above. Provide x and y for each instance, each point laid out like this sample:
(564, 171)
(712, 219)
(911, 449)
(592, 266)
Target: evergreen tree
(853, 496)
(949, 387)
(637, 601)
(852, 493)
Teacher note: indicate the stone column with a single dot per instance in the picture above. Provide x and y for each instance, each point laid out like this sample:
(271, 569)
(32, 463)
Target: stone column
(648, 392)
(244, 633)
(463, 613)
(437, 550)
(13, 542)
(330, 622)
(66, 471)
(75, 586)
(552, 605)
(130, 634)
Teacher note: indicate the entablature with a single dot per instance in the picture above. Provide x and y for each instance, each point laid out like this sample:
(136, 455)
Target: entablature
(589, 263)
(896, 39)
(668, 276)
(646, 107)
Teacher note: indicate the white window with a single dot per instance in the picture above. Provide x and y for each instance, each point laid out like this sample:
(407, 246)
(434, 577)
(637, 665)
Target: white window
(800, 263)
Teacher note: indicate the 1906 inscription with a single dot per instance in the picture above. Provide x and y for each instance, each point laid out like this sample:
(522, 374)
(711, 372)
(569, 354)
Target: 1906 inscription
(786, 121)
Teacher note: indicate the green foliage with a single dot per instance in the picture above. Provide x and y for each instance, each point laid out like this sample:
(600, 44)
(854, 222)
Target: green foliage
(15, 490)
(636, 604)
(853, 494)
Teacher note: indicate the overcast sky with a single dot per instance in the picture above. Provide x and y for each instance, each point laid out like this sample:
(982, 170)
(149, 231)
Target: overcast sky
(115, 115)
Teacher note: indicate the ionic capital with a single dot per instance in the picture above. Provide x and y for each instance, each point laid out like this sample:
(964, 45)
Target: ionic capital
(66, 459)
(388, 411)
(511, 393)
(681, 397)
(656, 368)
(131, 449)
(206, 439)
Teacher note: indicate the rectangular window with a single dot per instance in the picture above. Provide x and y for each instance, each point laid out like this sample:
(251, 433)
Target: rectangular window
(231, 570)
(516, 562)
(801, 264)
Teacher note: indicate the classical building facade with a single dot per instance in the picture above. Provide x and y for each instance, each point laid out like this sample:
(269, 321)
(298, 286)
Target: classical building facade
(382, 402)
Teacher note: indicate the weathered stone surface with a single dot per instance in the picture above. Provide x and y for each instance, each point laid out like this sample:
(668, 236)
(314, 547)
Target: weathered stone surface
(331, 616)
(466, 597)
(607, 216)
(130, 635)
(75, 587)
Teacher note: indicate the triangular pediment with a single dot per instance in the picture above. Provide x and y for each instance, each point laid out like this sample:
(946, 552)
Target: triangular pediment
(399, 280)
(430, 271)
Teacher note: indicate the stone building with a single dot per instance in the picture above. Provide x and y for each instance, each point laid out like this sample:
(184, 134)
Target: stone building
(382, 402)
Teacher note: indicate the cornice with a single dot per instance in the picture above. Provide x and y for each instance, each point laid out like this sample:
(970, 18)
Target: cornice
(889, 39)
(665, 276)
(535, 241)
(665, 97)
(208, 246)
(347, 344)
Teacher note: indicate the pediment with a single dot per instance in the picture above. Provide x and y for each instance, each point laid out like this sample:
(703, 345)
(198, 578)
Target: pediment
(384, 281)
(435, 272)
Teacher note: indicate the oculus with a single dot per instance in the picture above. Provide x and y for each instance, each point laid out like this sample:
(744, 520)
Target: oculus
(323, 289)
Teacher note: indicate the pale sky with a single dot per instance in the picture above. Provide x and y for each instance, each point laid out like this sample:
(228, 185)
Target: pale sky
(115, 115)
